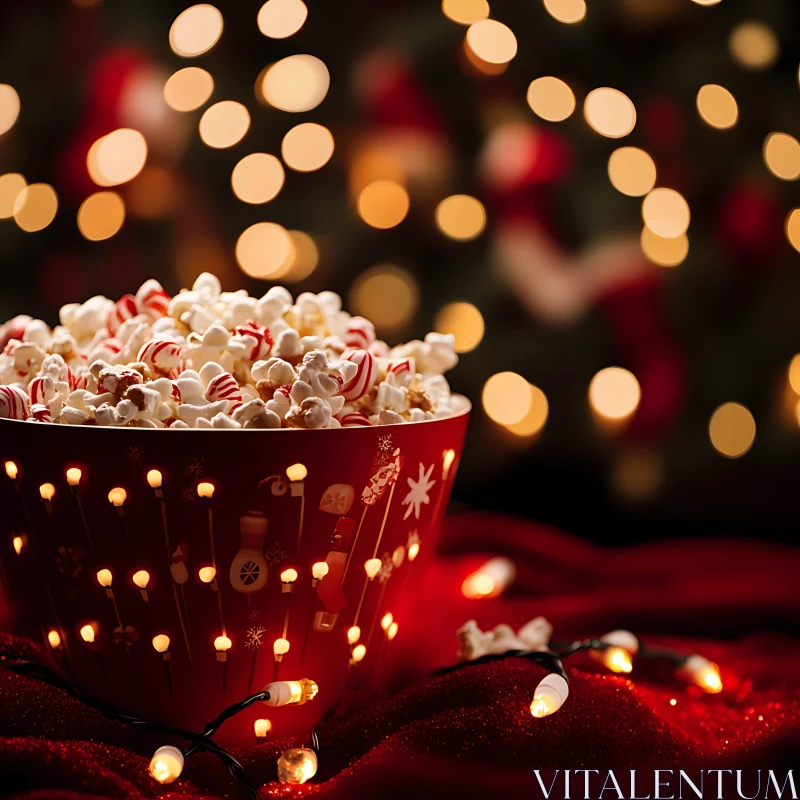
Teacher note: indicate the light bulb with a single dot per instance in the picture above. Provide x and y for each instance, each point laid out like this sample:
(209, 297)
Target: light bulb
(262, 727)
(205, 490)
(18, 543)
(372, 567)
(617, 659)
(104, 577)
(73, 476)
(11, 470)
(413, 550)
(161, 643)
(117, 497)
(702, 672)
(155, 479)
(359, 651)
(47, 490)
(392, 632)
(491, 579)
(398, 556)
(207, 574)
(283, 693)
(297, 472)
(222, 644)
(353, 634)
(320, 570)
(166, 764)
(549, 696)
(141, 578)
(87, 633)
(280, 647)
(54, 639)
(289, 575)
(387, 620)
(297, 765)
(447, 461)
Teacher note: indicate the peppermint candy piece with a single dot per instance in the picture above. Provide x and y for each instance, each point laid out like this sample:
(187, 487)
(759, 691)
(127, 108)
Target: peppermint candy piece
(360, 333)
(125, 308)
(224, 387)
(151, 299)
(160, 354)
(262, 336)
(13, 403)
(354, 419)
(401, 366)
(76, 381)
(365, 375)
(40, 413)
(39, 389)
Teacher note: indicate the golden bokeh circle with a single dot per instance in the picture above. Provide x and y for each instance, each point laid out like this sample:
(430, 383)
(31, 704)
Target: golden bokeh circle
(464, 321)
(732, 430)
(386, 294)
(101, 216)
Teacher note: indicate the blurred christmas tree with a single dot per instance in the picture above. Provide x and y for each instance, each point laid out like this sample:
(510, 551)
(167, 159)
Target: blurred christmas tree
(484, 170)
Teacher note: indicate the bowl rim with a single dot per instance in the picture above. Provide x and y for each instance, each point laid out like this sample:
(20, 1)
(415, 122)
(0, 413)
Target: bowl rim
(463, 413)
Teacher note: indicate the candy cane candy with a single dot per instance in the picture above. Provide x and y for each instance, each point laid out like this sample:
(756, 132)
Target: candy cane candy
(40, 413)
(262, 336)
(359, 334)
(224, 387)
(354, 419)
(125, 308)
(76, 381)
(151, 299)
(160, 354)
(402, 366)
(365, 376)
(13, 403)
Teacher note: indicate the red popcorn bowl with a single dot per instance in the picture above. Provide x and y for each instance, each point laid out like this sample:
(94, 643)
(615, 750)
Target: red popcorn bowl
(173, 574)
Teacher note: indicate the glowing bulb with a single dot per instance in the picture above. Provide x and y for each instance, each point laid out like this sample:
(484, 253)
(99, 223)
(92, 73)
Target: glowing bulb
(461, 217)
(717, 106)
(353, 634)
(702, 672)
(18, 543)
(265, 250)
(280, 647)
(491, 41)
(507, 398)
(224, 124)
(257, 178)
(289, 575)
(464, 321)
(279, 19)
(307, 147)
(296, 83)
(617, 659)
(47, 490)
(490, 580)
(73, 476)
(413, 550)
(319, 570)
(11, 184)
(166, 764)
(549, 695)
(207, 574)
(188, 88)
(141, 578)
(478, 585)
(11, 470)
(35, 207)
(392, 632)
(732, 430)
(386, 294)
(117, 157)
(465, 12)
(666, 212)
(195, 30)
(54, 639)
(567, 11)
(262, 727)
(282, 693)
(551, 99)
(383, 204)
(631, 171)
(205, 490)
(610, 112)
(297, 472)
(359, 651)
(155, 479)
(87, 633)
(104, 577)
(222, 644)
(782, 156)
(101, 215)
(297, 765)
(161, 643)
(9, 107)
(387, 620)
(614, 393)
(117, 497)
(372, 567)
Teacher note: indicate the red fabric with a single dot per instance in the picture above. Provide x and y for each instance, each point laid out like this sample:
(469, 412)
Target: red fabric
(470, 733)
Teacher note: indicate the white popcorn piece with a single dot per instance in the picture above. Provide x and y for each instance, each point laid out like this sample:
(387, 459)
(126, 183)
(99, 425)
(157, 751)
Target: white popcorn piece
(288, 345)
(190, 414)
(313, 413)
(121, 414)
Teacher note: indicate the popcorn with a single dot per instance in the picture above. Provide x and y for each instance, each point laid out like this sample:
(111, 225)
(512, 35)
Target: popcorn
(219, 360)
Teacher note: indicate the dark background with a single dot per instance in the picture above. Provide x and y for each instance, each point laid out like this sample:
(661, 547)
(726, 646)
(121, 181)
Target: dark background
(721, 326)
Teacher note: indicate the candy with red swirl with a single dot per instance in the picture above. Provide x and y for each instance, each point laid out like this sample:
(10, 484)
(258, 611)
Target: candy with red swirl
(14, 403)
(151, 299)
(354, 419)
(365, 376)
(161, 355)
(360, 333)
(125, 308)
(40, 413)
(262, 336)
(224, 387)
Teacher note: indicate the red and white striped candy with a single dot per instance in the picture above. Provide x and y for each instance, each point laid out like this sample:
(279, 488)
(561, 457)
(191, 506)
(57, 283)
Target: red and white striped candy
(125, 308)
(13, 403)
(160, 354)
(151, 299)
(401, 366)
(365, 376)
(224, 387)
(41, 413)
(76, 381)
(354, 419)
(360, 333)
(105, 350)
(260, 334)
(37, 391)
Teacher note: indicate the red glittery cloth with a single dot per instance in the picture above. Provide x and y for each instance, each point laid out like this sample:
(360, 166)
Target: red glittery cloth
(469, 734)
